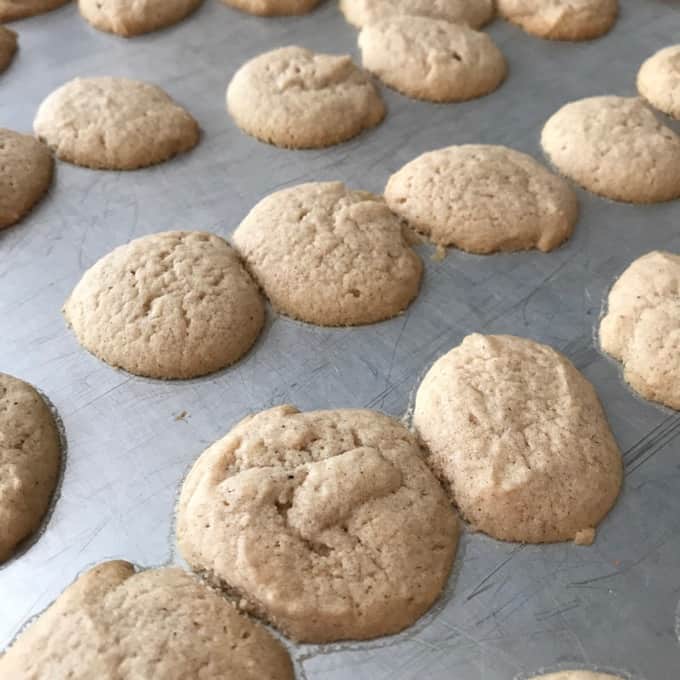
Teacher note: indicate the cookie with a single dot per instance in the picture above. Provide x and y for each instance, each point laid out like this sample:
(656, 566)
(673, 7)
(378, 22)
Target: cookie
(520, 439)
(577, 675)
(296, 99)
(30, 455)
(273, 8)
(177, 304)
(432, 59)
(642, 326)
(11, 10)
(327, 524)
(114, 124)
(134, 18)
(561, 19)
(658, 80)
(474, 13)
(26, 168)
(615, 147)
(329, 255)
(159, 623)
(8, 46)
(483, 199)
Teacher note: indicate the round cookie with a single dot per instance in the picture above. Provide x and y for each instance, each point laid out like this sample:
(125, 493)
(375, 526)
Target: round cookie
(177, 304)
(327, 524)
(474, 13)
(30, 455)
(26, 168)
(273, 8)
(658, 80)
(134, 18)
(296, 99)
(328, 255)
(642, 326)
(432, 59)
(8, 46)
(615, 147)
(521, 440)
(561, 19)
(114, 124)
(159, 623)
(577, 675)
(483, 199)
(11, 10)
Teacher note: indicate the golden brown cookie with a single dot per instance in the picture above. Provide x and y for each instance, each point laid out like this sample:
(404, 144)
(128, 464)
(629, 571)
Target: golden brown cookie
(658, 80)
(11, 10)
(8, 46)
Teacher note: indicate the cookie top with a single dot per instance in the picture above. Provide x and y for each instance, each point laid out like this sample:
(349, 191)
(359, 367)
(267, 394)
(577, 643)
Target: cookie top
(328, 524)
(11, 10)
(114, 124)
(474, 13)
(134, 18)
(577, 675)
(296, 99)
(561, 19)
(271, 8)
(520, 438)
(615, 147)
(30, 454)
(177, 304)
(8, 46)
(431, 58)
(159, 623)
(658, 80)
(483, 198)
(329, 255)
(26, 168)
(642, 326)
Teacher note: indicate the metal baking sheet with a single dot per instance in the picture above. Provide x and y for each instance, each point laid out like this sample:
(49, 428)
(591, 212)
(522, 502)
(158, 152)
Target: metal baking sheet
(509, 610)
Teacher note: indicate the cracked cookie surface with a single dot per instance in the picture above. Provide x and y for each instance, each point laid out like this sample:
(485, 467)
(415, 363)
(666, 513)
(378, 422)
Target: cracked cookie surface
(26, 168)
(170, 305)
(474, 13)
(294, 98)
(114, 124)
(615, 147)
(642, 326)
(135, 18)
(30, 455)
(432, 59)
(482, 199)
(561, 19)
(520, 438)
(8, 46)
(328, 524)
(11, 10)
(329, 255)
(658, 80)
(159, 623)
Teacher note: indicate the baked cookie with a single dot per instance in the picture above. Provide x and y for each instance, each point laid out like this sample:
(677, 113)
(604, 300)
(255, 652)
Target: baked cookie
(483, 198)
(561, 19)
(327, 524)
(474, 13)
(134, 18)
(273, 8)
(328, 255)
(615, 147)
(519, 437)
(114, 124)
(658, 80)
(26, 168)
(11, 10)
(577, 675)
(431, 58)
(30, 455)
(8, 46)
(642, 326)
(159, 623)
(177, 304)
(297, 99)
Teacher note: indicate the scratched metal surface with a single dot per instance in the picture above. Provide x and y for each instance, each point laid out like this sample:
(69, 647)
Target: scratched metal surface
(509, 610)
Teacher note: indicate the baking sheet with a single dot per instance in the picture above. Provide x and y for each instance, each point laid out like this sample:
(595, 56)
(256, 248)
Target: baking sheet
(509, 610)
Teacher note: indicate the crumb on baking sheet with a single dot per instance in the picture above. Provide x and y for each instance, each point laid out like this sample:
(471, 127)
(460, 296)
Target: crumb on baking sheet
(585, 536)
